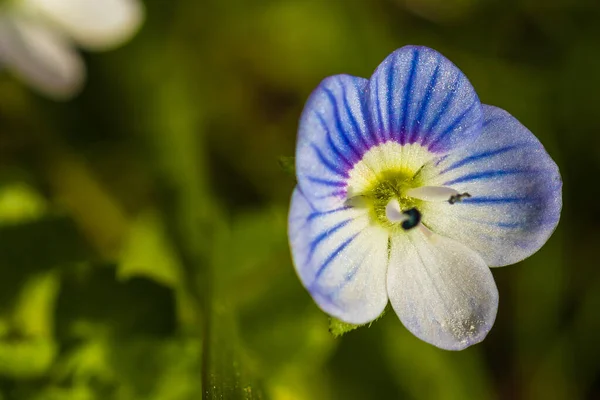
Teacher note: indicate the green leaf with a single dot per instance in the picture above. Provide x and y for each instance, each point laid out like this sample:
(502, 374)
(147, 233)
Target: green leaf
(105, 365)
(33, 314)
(27, 358)
(149, 253)
(20, 203)
(27, 347)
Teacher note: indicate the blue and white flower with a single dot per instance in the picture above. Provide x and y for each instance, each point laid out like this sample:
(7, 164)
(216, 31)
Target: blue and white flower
(38, 38)
(409, 189)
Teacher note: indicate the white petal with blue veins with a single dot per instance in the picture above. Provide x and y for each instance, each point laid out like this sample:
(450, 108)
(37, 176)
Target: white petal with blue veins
(332, 137)
(341, 258)
(432, 193)
(442, 291)
(416, 95)
(515, 190)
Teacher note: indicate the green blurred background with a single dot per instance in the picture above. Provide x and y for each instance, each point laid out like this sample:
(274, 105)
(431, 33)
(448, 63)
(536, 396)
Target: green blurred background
(143, 248)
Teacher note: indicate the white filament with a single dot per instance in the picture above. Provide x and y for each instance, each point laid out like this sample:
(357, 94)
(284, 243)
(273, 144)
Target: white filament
(432, 193)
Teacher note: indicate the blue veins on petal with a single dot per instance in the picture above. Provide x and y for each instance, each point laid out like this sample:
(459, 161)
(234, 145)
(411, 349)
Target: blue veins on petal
(341, 258)
(498, 200)
(408, 190)
(417, 95)
(515, 187)
(481, 156)
(485, 175)
(332, 137)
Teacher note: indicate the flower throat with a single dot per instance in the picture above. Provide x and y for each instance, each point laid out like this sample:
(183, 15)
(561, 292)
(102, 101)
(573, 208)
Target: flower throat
(387, 199)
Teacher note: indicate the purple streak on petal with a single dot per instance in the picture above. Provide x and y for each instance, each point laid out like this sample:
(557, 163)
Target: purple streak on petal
(332, 145)
(379, 129)
(328, 164)
(391, 74)
(441, 111)
(364, 145)
(356, 155)
(406, 125)
(452, 126)
(414, 134)
(326, 182)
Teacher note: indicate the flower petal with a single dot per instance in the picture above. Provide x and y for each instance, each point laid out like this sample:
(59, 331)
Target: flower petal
(40, 56)
(416, 95)
(332, 136)
(442, 291)
(340, 258)
(94, 24)
(515, 190)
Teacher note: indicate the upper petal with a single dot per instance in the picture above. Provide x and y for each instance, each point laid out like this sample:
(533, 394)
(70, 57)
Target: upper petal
(416, 95)
(340, 258)
(442, 291)
(40, 56)
(94, 24)
(332, 137)
(515, 188)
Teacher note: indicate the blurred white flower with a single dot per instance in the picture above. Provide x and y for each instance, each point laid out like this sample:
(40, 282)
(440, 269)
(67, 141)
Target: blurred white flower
(38, 38)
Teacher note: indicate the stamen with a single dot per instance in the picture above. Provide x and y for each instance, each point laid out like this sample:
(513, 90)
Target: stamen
(357, 202)
(432, 193)
(393, 212)
(437, 193)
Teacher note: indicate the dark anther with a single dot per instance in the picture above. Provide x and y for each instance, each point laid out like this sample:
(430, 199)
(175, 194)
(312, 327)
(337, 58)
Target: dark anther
(458, 198)
(414, 217)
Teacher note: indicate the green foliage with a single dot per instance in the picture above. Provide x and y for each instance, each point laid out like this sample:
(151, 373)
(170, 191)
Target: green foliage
(288, 165)
(143, 225)
(147, 252)
(20, 203)
(435, 375)
(26, 359)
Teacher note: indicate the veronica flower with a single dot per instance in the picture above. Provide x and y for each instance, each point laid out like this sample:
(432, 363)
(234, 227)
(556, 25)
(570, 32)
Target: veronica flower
(409, 189)
(38, 38)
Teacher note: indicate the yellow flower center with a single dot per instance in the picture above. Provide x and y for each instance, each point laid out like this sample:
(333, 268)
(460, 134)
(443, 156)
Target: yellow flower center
(385, 173)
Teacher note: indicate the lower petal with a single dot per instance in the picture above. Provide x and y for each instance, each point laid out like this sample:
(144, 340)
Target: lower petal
(40, 56)
(341, 258)
(442, 291)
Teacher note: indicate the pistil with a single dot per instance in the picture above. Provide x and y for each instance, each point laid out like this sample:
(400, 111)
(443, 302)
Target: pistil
(408, 219)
